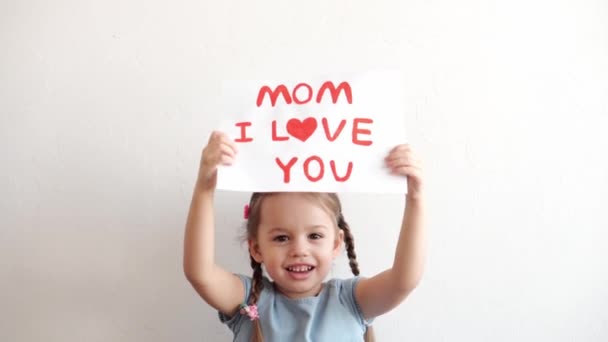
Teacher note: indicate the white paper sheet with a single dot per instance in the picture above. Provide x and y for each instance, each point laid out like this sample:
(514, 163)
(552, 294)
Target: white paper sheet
(308, 140)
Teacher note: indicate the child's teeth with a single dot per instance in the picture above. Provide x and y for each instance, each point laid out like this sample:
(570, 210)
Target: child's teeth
(300, 268)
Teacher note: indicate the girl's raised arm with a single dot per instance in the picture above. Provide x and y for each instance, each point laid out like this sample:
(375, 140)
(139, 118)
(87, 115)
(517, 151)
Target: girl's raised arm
(219, 288)
(383, 292)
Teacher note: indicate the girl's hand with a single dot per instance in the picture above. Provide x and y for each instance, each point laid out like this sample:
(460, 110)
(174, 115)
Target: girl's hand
(219, 150)
(401, 160)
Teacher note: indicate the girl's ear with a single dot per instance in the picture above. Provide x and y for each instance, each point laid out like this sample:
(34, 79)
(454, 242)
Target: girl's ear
(254, 250)
(338, 243)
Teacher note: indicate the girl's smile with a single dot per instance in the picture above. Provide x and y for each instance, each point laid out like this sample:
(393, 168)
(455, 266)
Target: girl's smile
(300, 271)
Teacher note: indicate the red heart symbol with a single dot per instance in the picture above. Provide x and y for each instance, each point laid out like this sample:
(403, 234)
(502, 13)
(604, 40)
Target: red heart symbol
(301, 129)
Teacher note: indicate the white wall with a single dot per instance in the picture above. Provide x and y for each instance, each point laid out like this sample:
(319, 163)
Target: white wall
(106, 105)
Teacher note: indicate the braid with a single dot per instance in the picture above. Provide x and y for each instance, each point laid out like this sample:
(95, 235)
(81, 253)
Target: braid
(256, 282)
(256, 289)
(349, 241)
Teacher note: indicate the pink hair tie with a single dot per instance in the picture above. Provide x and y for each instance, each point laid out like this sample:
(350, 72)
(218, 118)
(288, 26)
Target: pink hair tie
(246, 211)
(250, 310)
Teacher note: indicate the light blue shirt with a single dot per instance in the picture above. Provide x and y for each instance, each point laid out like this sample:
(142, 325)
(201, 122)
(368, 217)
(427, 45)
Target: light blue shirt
(331, 316)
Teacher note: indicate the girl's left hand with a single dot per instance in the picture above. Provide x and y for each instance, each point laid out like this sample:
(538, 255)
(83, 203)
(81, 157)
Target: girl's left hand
(401, 160)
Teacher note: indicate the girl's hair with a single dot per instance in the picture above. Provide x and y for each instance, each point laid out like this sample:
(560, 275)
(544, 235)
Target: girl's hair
(331, 203)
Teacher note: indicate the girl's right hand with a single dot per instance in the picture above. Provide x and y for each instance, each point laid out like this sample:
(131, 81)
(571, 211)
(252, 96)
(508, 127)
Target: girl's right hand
(219, 150)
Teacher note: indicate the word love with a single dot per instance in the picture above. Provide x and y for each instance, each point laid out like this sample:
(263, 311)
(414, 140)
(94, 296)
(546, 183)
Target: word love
(304, 129)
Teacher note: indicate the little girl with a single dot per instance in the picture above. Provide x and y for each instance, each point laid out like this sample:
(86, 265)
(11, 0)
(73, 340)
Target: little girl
(296, 236)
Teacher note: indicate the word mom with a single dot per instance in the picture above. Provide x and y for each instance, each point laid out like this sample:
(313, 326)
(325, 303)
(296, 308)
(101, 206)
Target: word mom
(308, 93)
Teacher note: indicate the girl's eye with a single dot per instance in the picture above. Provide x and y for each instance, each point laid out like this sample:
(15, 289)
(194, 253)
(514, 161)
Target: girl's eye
(280, 238)
(315, 236)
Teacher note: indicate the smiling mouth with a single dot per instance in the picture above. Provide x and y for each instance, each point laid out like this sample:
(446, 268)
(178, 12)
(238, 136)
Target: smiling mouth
(300, 269)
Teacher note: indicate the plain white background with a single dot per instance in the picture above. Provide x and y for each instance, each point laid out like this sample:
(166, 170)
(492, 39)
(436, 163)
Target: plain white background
(106, 105)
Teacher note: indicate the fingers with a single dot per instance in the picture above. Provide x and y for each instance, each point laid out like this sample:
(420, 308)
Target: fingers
(218, 155)
(227, 153)
(219, 150)
(402, 160)
(409, 171)
(221, 138)
(402, 155)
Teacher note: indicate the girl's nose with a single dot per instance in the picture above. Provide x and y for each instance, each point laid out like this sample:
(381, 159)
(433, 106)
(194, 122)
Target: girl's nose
(299, 247)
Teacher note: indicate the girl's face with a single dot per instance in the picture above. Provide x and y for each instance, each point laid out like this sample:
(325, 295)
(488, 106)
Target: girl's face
(296, 242)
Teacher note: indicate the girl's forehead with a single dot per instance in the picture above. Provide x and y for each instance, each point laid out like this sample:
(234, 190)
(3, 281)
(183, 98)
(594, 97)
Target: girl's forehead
(294, 207)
